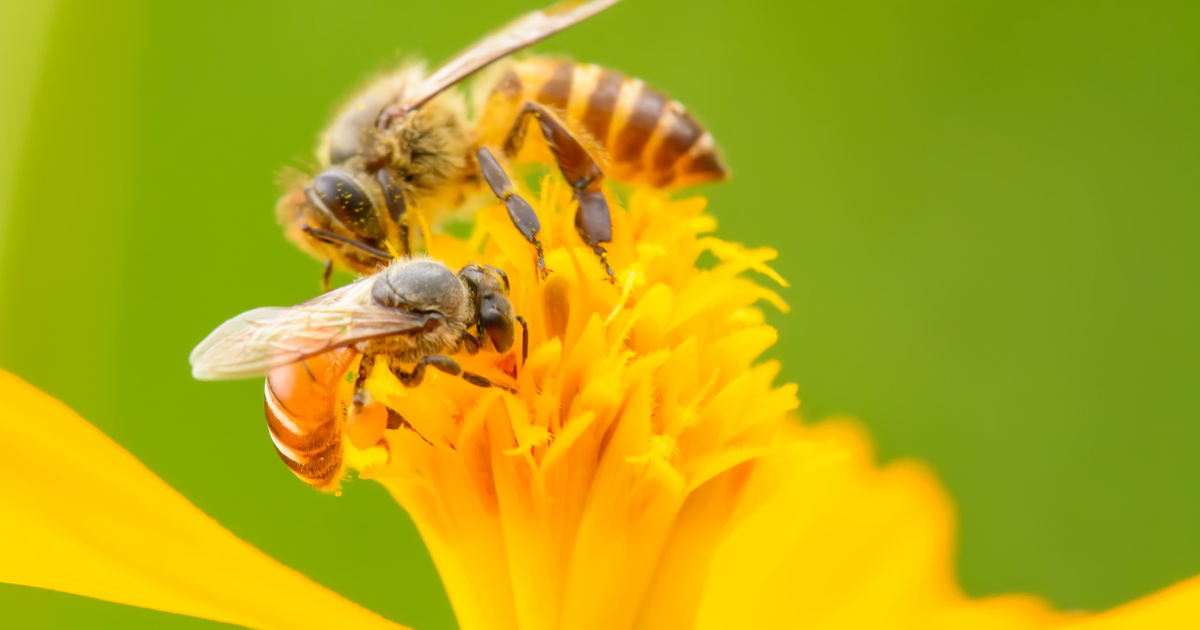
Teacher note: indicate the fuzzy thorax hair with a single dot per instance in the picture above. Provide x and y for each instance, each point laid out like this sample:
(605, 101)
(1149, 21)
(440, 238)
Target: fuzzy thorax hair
(428, 148)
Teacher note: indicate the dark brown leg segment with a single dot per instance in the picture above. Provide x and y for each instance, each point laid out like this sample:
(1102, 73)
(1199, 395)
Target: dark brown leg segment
(592, 220)
(519, 210)
(471, 343)
(524, 339)
(396, 206)
(327, 276)
(447, 365)
(338, 239)
(362, 398)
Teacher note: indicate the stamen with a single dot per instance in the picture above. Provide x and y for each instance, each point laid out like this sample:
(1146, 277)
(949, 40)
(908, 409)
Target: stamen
(631, 276)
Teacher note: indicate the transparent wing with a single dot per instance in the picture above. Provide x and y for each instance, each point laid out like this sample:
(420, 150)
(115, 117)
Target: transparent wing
(256, 341)
(525, 31)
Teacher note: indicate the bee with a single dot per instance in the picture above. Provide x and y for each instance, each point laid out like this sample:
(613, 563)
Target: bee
(416, 311)
(405, 140)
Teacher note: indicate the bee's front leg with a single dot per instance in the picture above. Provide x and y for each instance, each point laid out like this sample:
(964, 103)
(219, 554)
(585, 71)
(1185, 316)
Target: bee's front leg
(447, 365)
(470, 343)
(327, 276)
(519, 210)
(524, 339)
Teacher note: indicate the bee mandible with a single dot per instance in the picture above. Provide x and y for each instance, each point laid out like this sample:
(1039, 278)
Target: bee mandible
(416, 311)
(406, 140)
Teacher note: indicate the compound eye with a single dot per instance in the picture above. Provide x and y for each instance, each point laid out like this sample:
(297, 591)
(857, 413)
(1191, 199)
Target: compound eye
(503, 276)
(496, 315)
(392, 196)
(341, 196)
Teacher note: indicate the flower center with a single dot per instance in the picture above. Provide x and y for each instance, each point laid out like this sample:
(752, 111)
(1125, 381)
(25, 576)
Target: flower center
(639, 399)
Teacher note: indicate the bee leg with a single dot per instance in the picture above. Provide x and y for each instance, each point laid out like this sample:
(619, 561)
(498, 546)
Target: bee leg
(337, 239)
(471, 344)
(524, 339)
(397, 208)
(364, 417)
(519, 210)
(364, 401)
(327, 276)
(592, 220)
(395, 421)
(447, 365)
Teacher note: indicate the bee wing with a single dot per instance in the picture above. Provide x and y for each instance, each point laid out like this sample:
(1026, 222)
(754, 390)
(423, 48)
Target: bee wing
(524, 31)
(256, 341)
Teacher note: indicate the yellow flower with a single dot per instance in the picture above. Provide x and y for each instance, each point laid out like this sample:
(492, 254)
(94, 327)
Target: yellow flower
(645, 474)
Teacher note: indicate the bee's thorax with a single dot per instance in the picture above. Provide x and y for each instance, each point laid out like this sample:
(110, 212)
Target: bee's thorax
(426, 150)
(428, 287)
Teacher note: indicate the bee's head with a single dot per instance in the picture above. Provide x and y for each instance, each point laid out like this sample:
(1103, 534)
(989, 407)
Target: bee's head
(342, 196)
(344, 213)
(493, 308)
(354, 197)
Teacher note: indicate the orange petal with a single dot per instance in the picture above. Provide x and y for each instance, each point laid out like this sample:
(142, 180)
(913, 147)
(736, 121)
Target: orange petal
(79, 514)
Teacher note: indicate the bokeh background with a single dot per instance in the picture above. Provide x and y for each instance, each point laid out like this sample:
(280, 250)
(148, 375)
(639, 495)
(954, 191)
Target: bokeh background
(989, 213)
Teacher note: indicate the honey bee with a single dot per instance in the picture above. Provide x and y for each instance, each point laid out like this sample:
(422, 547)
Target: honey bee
(416, 311)
(405, 140)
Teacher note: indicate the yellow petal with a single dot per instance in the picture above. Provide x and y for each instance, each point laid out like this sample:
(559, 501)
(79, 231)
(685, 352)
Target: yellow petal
(841, 544)
(837, 542)
(81, 515)
(1173, 608)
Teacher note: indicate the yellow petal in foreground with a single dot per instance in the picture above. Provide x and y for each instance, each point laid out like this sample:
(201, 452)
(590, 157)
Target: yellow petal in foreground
(79, 514)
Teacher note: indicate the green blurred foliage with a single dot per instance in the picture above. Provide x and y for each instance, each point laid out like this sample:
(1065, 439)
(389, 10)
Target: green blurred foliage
(988, 213)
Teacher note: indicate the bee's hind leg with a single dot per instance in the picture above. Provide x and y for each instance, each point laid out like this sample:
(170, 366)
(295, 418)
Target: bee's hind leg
(519, 210)
(364, 405)
(592, 221)
(447, 365)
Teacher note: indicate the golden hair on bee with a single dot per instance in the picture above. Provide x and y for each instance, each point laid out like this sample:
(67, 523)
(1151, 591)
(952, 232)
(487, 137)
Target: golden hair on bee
(424, 150)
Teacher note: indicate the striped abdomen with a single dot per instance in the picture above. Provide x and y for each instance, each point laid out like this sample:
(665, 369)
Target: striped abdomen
(303, 416)
(647, 138)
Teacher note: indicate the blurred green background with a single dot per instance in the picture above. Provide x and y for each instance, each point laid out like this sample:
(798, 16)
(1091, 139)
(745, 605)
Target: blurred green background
(988, 212)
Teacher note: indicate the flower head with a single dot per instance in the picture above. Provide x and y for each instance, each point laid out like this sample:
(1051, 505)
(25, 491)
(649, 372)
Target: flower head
(552, 506)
